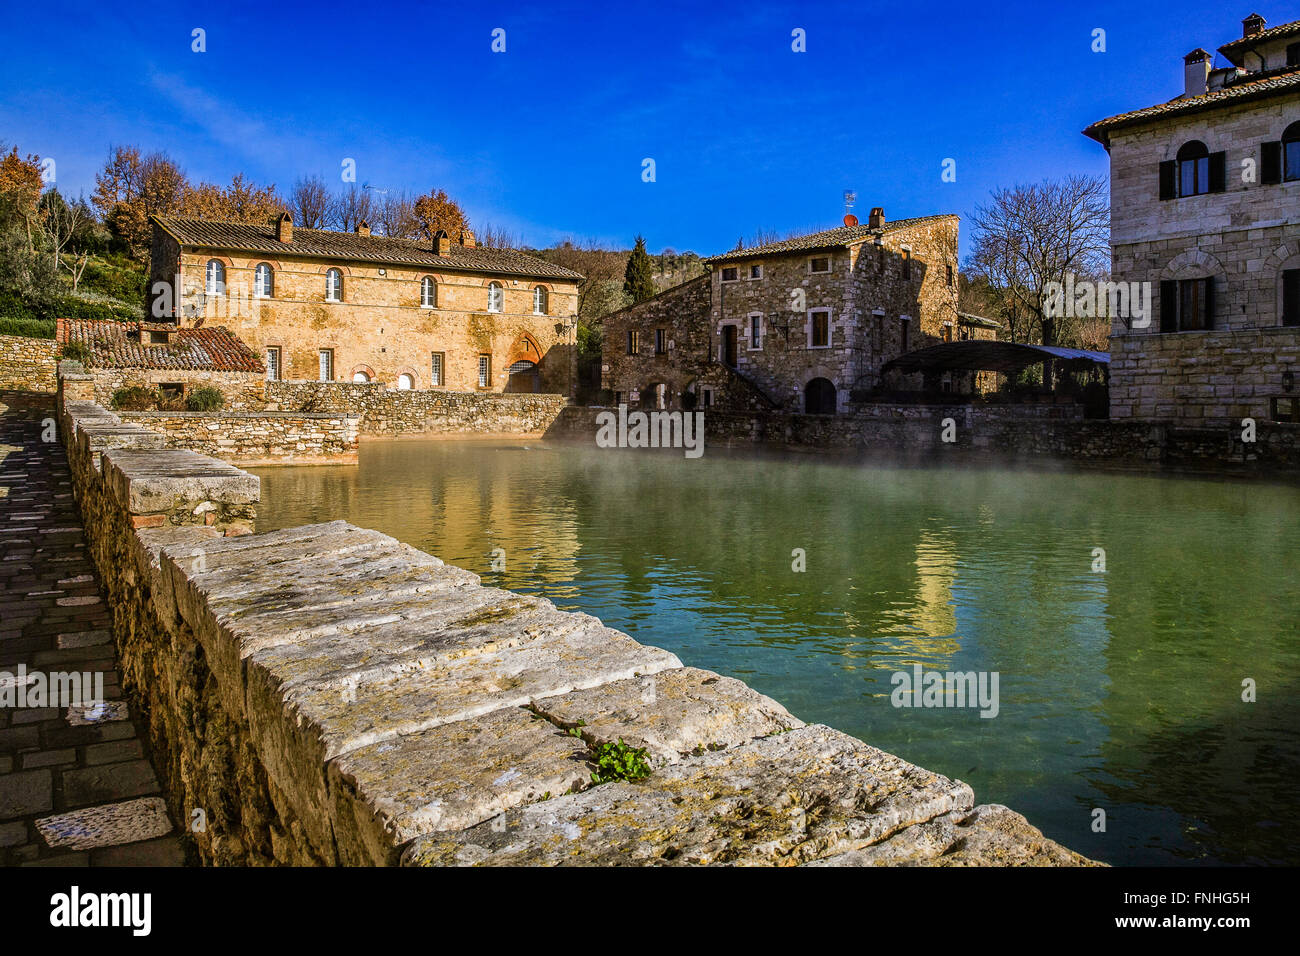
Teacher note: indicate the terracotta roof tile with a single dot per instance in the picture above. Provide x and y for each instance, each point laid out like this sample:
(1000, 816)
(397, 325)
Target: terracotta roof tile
(1232, 48)
(117, 345)
(829, 239)
(325, 244)
(1247, 89)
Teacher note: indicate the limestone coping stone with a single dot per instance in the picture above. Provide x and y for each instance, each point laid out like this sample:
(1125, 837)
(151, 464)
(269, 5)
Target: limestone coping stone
(323, 416)
(146, 481)
(781, 800)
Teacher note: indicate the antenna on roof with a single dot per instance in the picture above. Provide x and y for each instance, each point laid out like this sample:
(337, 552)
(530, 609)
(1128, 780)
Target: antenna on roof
(850, 197)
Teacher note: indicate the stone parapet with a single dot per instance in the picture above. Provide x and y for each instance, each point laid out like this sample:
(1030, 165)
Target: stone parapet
(27, 364)
(328, 695)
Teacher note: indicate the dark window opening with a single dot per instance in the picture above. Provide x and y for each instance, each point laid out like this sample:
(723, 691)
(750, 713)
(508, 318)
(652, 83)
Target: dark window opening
(661, 341)
(1284, 409)
(1291, 153)
(907, 264)
(1291, 297)
(821, 333)
(730, 274)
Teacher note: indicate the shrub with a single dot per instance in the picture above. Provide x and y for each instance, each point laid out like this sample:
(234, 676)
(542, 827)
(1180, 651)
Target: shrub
(205, 399)
(619, 762)
(135, 398)
(30, 328)
(76, 352)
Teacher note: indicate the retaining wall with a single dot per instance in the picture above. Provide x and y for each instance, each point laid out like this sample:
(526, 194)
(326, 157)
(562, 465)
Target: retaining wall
(328, 695)
(1014, 435)
(258, 438)
(27, 364)
(409, 412)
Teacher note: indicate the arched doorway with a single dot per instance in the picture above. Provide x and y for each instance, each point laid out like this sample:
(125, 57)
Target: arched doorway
(523, 377)
(819, 397)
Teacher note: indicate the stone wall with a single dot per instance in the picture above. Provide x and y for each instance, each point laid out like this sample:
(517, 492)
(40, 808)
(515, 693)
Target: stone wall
(27, 364)
(258, 438)
(1020, 435)
(328, 695)
(393, 412)
(242, 390)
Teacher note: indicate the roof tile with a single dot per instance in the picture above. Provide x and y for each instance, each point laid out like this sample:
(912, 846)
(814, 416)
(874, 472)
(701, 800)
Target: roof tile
(117, 345)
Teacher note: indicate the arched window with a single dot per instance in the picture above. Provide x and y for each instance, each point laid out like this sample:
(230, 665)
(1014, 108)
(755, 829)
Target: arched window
(428, 293)
(263, 281)
(1291, 153)
(359, 376)
(405, 382)
(1193, 169)
(819, 397)
(496, 297)
(541, 300)
(216, 278)
(333, 286)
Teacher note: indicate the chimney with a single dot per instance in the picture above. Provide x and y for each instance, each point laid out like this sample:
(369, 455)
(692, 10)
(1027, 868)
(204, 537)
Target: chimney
(467, 239)
(1196, 73)
(363, 228)
(441, 243)
(1251, 25)
(284, 228)
(877, 218)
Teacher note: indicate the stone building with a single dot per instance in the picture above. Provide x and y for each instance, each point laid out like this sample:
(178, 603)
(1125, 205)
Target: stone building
(353, 307)
(159, 356)
(1205, 210)
(794, 325)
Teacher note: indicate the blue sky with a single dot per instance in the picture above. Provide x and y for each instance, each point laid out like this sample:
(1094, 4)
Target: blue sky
(548, 138)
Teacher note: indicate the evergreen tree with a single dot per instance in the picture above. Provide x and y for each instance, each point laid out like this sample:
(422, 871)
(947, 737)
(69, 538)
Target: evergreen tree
(638, 279)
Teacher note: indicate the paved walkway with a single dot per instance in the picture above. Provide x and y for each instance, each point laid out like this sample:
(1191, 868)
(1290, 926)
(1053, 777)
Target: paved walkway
(76, 788)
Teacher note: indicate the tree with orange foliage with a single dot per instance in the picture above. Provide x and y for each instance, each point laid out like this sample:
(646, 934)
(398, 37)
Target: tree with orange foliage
(131, 188)
(436, 210)
(241, 201)
(20, 190)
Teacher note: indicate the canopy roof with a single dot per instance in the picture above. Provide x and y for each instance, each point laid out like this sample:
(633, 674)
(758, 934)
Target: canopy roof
(976, 355)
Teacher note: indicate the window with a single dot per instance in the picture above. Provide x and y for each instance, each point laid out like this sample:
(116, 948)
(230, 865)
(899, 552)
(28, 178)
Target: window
(405, 382)
(756, 272)
(435, 370)
(496, 297)
(633, 341)
(907, 330)
(730, 274)
(907, 265)
(1187, 305)
(484, 371)
(819, 264)
(1284, 409)
(327, 365)
(333, 286)
(706, 397)
(361, 377)
(755, 331)
(947, 332)
(215, 283)
(428, 293)
(618, 398)
(661, 341)
(263, 281)
(273, 364)
(1293, 54)
(541, 300)
(1193, 169)
(1291, 153)
(949, 268)
(819, 328)
(1291, 297)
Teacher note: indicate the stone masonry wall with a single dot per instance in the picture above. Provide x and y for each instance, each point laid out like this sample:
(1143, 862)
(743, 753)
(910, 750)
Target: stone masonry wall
(392, 412)
(241, 390)
(327, 695)
(27, 364)
(258, 438)
(1023, 435)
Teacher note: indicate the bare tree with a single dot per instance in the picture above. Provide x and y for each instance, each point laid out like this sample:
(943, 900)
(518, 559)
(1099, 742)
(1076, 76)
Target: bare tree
(1031, 236)
(395, 216)
(310, 201)
(353, 206)
(60, 221)
(497, 237)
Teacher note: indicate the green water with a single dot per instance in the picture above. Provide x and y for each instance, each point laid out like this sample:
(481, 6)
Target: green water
(1119, 690)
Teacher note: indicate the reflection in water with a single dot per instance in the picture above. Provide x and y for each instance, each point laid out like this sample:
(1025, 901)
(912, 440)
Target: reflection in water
(1119, 690)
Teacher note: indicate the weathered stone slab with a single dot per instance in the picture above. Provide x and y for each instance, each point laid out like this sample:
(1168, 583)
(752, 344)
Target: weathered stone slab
(783, 800)
(988, 835)
(450, 777)
(149, 481)
(108, 825)
(670, 714)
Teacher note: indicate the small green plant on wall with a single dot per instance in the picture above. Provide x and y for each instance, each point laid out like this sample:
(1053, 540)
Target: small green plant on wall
(618, 762)
(205, 399)
(76, 352)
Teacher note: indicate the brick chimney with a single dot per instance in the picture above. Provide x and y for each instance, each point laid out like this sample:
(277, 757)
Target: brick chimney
(441, 243)
(284, 228)
(1196, 73)
(1252, 24)
(363, 228)
(877, 218)
(467, 239)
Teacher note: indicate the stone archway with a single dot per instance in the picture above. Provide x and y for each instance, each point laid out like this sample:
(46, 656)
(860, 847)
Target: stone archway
(819, 397)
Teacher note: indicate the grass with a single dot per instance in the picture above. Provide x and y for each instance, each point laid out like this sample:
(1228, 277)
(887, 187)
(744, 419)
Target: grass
(29, 328)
